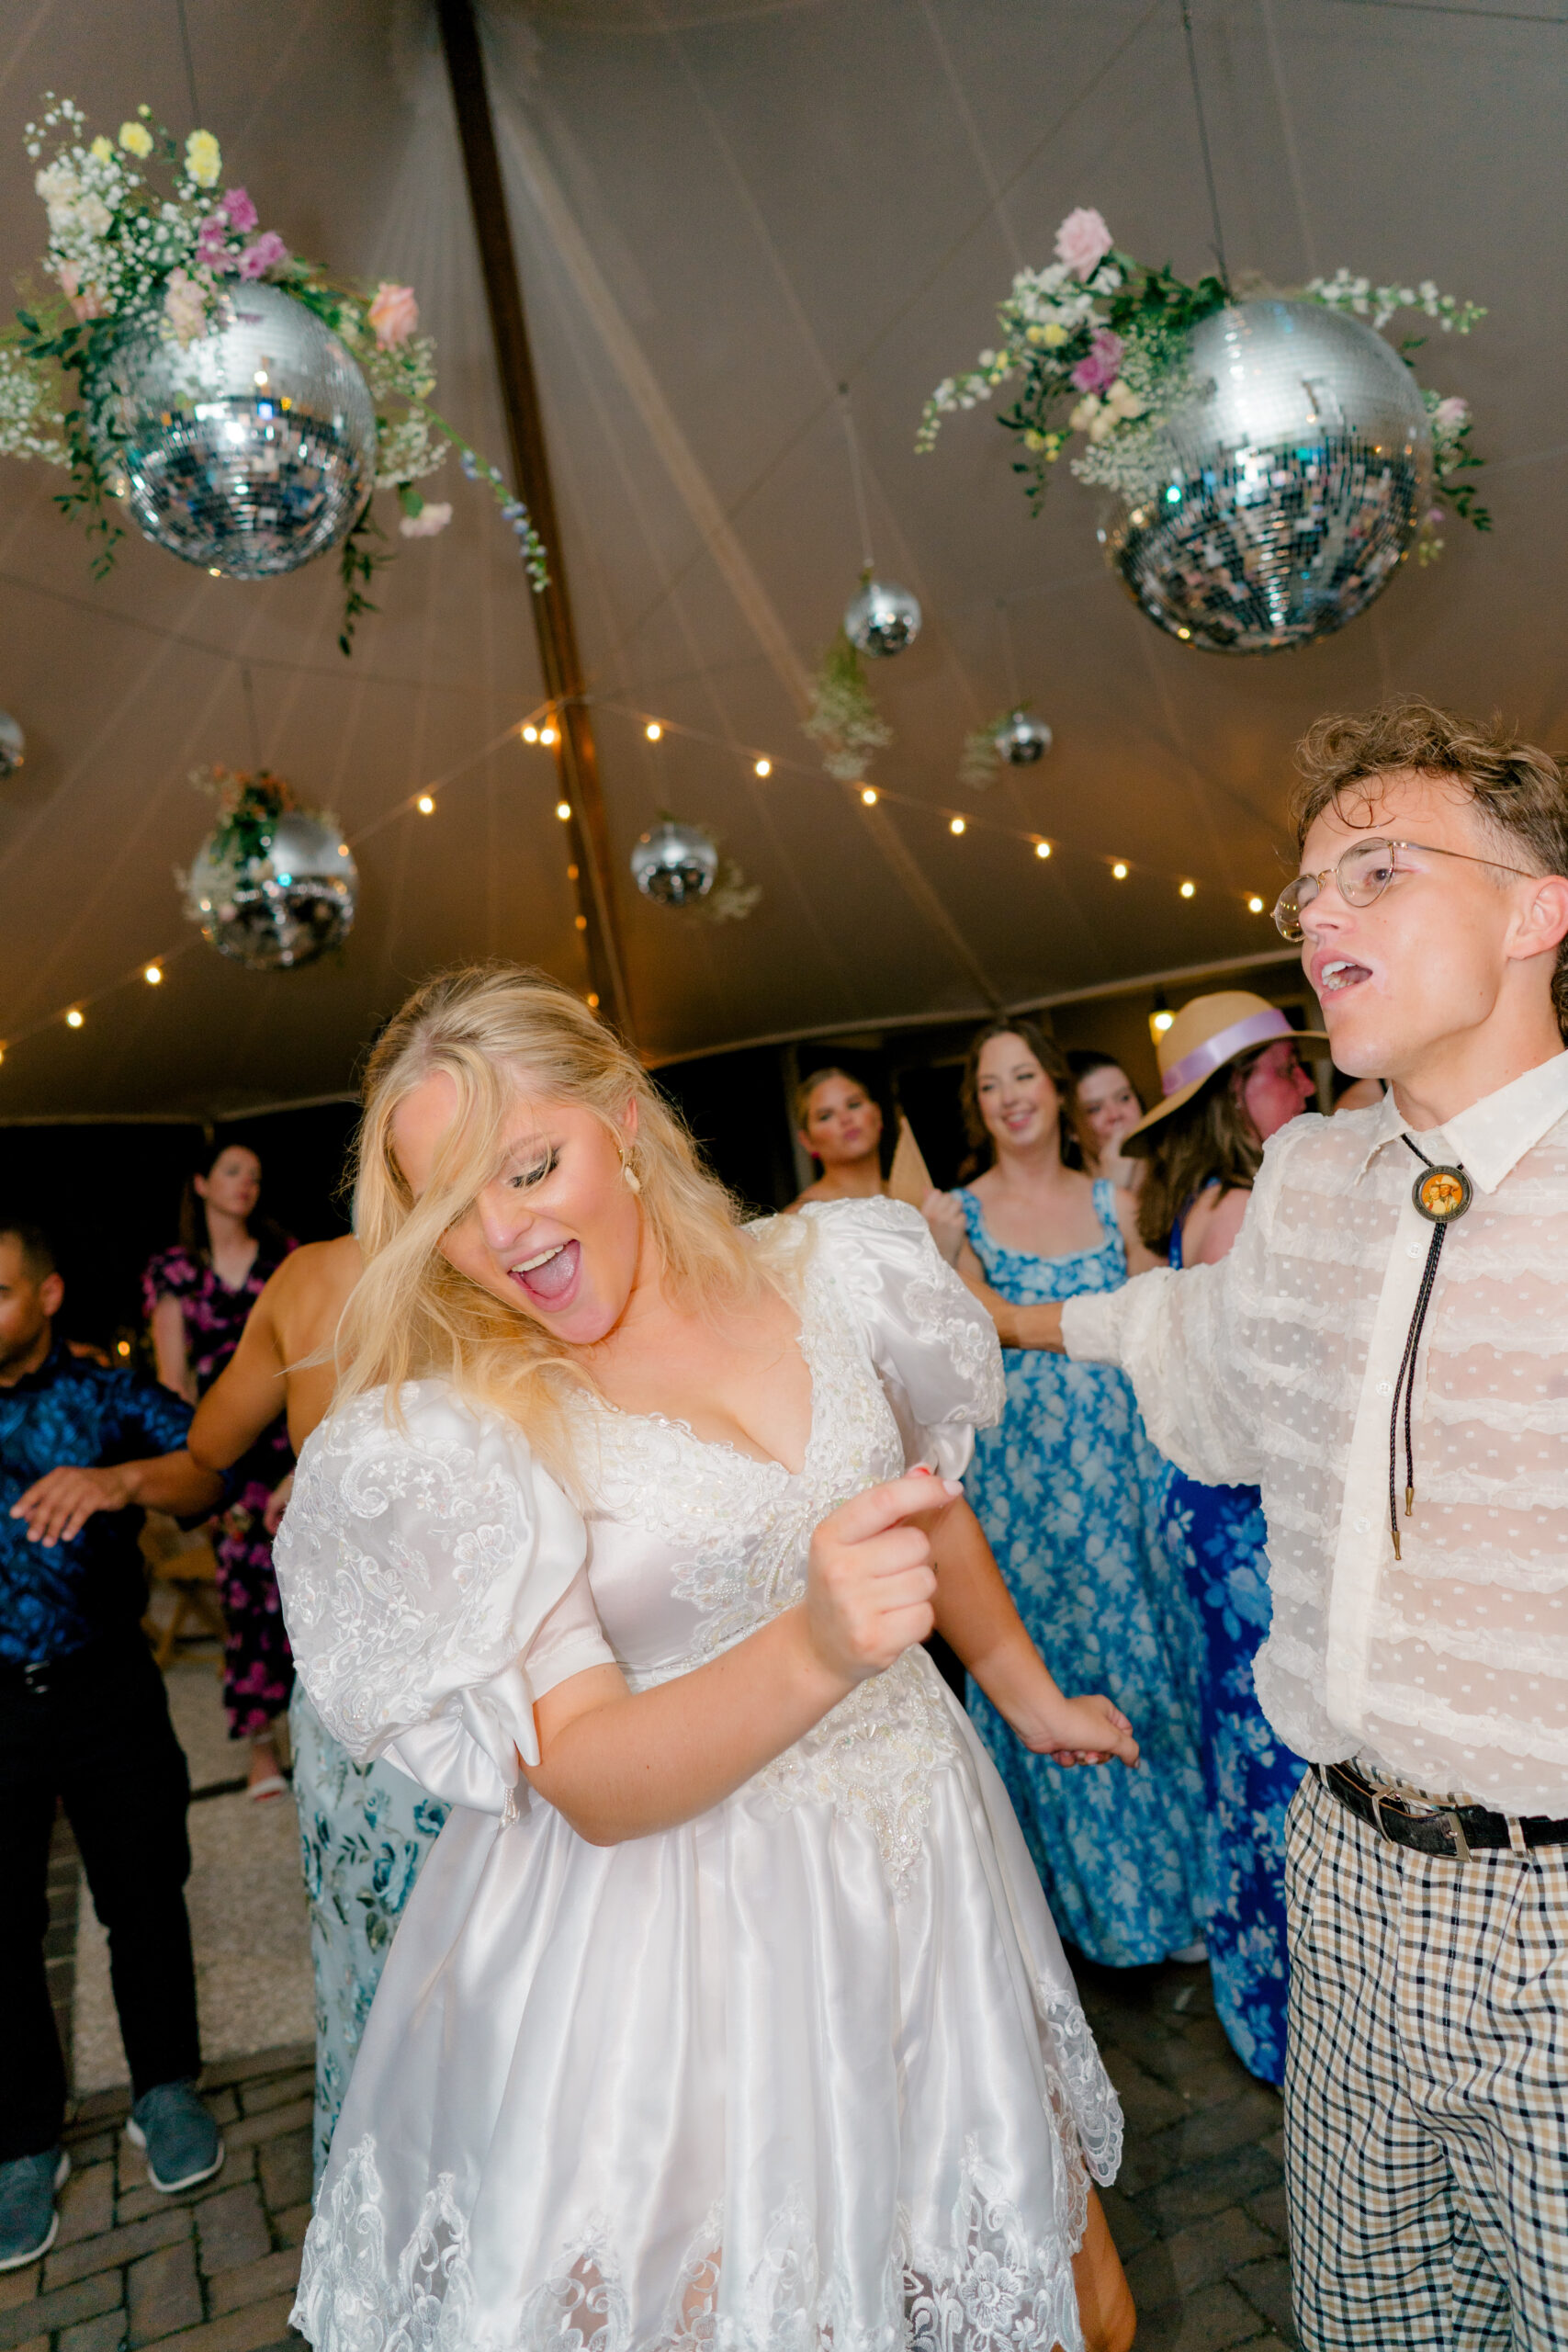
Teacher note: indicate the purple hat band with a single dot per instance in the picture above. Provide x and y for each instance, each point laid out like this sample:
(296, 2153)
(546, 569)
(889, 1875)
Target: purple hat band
(1216, 1051)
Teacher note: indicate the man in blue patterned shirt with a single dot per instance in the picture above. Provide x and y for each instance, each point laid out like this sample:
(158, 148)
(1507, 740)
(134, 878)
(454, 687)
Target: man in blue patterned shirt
(83, 1719)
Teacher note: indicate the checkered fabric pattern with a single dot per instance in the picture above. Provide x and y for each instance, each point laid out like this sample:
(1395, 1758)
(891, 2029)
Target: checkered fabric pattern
(1426, 2091)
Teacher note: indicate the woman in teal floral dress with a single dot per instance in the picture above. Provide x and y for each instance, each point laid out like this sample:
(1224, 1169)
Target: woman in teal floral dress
(1068, 1489)
(1201, 1148)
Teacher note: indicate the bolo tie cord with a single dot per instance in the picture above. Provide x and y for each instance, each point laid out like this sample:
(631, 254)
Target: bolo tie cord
(1404, 1386)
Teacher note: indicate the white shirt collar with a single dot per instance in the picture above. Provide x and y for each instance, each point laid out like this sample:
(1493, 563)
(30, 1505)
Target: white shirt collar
(1492, 1137)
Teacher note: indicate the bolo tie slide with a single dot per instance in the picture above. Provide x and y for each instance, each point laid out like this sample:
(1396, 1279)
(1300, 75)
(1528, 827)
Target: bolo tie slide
(1440, 1195)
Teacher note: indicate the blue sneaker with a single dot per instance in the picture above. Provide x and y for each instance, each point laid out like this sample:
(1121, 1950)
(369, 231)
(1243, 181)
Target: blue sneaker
(27, 2217)
(180, 2137)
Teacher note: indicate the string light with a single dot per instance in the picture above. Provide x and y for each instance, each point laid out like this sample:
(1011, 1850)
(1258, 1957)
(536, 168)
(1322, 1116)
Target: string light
(593, 1001)
(571, 872)
(1188, 889)
(1119, 870)
(581, 921)
(762, 768)
(1160, 1021)
(74, 1018)
(563, 809)
(425, 805)
(153, 975)
(1255, 905)
(653, 730)
(2, 1053)
(530, 734)
(1042, 849)
(956, 824)
(122, 1347)
(868, 796)
(547, 735)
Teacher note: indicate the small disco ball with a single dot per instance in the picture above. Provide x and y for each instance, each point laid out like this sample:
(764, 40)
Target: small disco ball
(675, 863)
(883, 618)
(1023, 739)
(284, 907)
(1293, 489)
(254, 449)
(13, 746)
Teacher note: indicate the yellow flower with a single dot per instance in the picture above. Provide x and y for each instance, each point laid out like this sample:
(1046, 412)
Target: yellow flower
(203, 160)
(102, 149)
(136, 139)
(1055, 335)
(1034, 440)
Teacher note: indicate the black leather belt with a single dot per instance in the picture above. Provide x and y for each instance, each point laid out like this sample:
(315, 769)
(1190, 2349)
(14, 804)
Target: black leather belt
(1460, 1830)
(45, 1678)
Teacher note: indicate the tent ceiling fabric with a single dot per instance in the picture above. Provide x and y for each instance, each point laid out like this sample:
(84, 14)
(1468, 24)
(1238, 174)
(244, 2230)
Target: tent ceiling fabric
(722, 210)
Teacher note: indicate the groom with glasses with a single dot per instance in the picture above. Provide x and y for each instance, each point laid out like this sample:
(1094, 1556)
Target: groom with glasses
(1385, 1352)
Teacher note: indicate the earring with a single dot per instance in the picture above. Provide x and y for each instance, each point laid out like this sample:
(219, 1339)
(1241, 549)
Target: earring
(629, 1172)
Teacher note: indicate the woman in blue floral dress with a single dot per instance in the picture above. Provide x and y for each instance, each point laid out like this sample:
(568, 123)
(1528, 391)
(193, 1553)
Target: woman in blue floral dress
(1201, 1148)
(1068, 1489)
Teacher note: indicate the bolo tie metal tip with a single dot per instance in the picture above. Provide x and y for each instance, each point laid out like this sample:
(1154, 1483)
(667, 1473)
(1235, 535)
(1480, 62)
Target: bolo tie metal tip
(1395, 1531)
(1409, 1500)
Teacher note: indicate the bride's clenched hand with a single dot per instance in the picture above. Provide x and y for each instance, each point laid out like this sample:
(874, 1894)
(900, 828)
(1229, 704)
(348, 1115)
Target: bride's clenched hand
(1080, 1731)
(870, 1583)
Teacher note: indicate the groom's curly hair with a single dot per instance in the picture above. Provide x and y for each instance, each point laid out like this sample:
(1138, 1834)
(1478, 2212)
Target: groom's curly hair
(1519, 792)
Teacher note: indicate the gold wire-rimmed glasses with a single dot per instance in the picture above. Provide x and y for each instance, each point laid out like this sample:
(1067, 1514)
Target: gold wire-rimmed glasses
(1361, 875)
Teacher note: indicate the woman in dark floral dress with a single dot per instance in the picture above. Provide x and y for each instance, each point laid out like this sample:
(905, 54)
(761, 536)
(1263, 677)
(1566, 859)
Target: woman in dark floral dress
(197, 1296)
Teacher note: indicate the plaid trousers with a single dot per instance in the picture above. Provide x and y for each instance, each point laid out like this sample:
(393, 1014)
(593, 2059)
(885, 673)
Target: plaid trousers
(1426, 2091)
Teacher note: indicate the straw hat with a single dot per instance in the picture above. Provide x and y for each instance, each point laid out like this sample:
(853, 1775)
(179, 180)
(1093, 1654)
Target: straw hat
(1205, 1037)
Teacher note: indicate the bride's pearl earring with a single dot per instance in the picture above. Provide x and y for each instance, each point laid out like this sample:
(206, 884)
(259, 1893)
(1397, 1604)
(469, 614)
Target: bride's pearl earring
(629, 1172)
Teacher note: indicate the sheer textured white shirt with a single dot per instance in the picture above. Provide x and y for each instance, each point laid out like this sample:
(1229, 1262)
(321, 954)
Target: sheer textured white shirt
(1447, 1667)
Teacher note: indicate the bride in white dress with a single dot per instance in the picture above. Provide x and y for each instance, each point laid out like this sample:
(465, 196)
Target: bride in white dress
(728, 2011)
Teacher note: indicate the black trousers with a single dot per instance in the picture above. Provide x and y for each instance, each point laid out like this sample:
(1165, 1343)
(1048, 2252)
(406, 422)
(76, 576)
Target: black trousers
(99, 1738)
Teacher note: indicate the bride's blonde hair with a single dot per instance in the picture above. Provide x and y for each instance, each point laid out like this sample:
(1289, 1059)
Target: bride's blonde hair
(495, 1030)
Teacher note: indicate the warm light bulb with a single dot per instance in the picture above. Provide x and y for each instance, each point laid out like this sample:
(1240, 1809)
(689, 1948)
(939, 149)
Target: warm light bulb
(653, 730)
(214, 572)
(563, 809)
(1188, 888)
(592, 1001)
(530, 734)
(152, 975)
(869, 797)
(956, 825)
(261, 376)
(581, 921)
(763, 767)
(1119, 870)
(1160, 1021)
(1042, 849)
(1255, 905)
(425, 805)
(73, 1019)
(122, 1347)
(546, 734)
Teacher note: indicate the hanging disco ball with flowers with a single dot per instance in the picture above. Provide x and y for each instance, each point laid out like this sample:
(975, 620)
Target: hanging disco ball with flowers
(274, 886)
(1016, 739)
(1273, 458)
(677, 865)
(882, 618)
(243, 405)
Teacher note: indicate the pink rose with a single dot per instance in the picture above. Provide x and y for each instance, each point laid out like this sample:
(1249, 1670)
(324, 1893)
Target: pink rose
(212, 244)
(1099, 371)
(1450, 414)
(89, 305)
(238, 210)
(269, 252)
(1082, 240)
(394, 314)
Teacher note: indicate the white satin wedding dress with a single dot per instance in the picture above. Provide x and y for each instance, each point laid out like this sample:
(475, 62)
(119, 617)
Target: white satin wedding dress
(806, 2074)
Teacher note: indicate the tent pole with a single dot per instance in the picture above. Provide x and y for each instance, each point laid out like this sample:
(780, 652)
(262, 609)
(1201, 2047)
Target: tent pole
(577, 761)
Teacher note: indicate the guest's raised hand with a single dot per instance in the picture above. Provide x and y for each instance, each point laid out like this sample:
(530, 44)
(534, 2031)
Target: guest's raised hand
(870, 1582)
(943, 1212)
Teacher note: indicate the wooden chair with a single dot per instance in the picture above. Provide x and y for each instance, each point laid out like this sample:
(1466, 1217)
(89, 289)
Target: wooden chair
(185, 1562)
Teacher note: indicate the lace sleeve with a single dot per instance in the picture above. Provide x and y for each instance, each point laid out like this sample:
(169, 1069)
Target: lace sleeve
(933, 1345)
(417, 1565)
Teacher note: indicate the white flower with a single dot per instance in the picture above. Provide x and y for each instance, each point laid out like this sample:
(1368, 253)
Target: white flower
(1083, 416)
(58, 184)
(430, 519)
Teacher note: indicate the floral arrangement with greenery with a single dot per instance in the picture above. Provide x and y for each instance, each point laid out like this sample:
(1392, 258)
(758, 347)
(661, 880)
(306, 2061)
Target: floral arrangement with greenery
(1100, 341)
(144, 236)
(844, 720)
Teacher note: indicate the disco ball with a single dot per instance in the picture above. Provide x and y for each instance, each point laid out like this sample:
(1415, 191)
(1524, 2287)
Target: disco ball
(883, 618)
(675, 863)
(13, 745)
(1295, 486)
(250, 451)
(1023, 739)
(282, 907)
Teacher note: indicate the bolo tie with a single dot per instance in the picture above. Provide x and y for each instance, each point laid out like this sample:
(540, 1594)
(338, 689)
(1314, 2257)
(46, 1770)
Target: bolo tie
(1441, 1195)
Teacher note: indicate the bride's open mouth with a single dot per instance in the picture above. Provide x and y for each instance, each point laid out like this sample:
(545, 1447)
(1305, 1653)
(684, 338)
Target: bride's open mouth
(549, 1278)
(1339, 974)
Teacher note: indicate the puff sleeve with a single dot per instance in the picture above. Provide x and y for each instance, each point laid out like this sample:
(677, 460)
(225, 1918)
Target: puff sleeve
(418, 1566)
(931, 1343)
